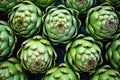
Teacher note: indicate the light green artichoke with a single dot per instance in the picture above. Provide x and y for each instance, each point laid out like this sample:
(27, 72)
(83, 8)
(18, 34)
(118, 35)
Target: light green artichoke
(113, 52)
(37, 54)
(105, 73)
(44, 3)
(61, 72)
(115, 3)
(11, 69)
(7, 5)
(60, 24)
(83, 54)
(25, 19)
(7, 40)
(102, 22)
(81, 5)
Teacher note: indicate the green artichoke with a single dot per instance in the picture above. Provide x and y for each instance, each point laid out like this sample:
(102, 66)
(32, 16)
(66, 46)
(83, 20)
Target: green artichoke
(81, 5)
(102, 22)
(7, 40)
(7, 5)
(60, 24)
(105, 73)
(44, 3)
(61, 72)
(115, 3)
(37, 54)
(113, 52)
(83, 54)
(25, 19)
(11, 69)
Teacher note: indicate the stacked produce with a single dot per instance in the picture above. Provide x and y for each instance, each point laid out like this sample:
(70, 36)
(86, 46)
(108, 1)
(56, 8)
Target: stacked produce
(59, 40)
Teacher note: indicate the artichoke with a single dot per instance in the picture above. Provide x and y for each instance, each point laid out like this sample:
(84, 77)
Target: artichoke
(7, 40)
(60, 24)
(83, 54)
(7, 5)
(102, 22)
(25, 19)
(61, 72)
(115, 3)
(113, 52)
(105, 73)
(11, 69)
(44, 3)
(37, 54)
(81, 5)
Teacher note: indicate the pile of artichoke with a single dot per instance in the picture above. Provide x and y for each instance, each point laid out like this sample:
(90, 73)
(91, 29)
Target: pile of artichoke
(59, 40)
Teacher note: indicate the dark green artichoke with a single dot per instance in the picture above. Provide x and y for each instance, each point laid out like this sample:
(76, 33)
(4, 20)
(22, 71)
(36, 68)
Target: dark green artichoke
(102, 22)
(105, 73)
(83, 54)
(81, 5)
(61, 72)
(25, 19)
(60, 24)
(115, 3)
(7, 40)
(113, 52)
(37, 54)
(11, 69)
(44, 3)
(7, 5)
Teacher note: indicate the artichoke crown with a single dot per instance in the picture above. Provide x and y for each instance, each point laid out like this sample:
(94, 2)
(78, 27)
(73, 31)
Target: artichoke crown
(37, 54)
(25, 19)
(7, 40)
(104, 73)
(83, 54)
(11, 69)
(102, 22)
(113, 52)
(61, 72)
(60, 24)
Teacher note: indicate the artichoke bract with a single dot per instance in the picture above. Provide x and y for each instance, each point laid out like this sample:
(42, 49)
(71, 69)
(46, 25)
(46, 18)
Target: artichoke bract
(102, 22)
(105, 73)
(83, 54)
(37, 54)
(61, 24)
(25, 19)
(44, 3)
(81, 5)
(113, 52)
(115, 3)
(61, 72)
(11, 69)
(7, 5)
(7, 40)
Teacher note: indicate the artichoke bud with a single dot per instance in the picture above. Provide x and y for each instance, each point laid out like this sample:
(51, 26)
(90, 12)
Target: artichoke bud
(6, 6)
(7, 40)
(25, 19)
(61, 24)
(102, 22)
(36, 56)
(44, 3)
(81, 5)
(11, 69)
(61, 72)
(115, 3)
(113, 52)
(104, 73)
(83, 54)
